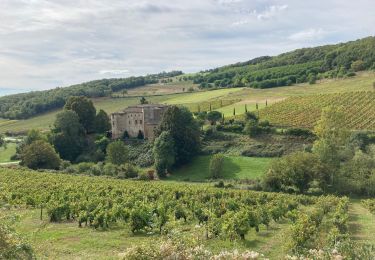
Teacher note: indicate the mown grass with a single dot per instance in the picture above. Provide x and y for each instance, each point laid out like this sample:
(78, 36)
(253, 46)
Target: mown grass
(7, 153)
(361, 223)
(235, 168)
(197, 97)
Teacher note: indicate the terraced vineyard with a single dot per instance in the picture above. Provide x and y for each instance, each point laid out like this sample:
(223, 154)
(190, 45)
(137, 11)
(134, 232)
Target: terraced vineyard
(304, 111)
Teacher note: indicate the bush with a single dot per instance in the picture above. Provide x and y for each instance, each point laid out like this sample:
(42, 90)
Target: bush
(40, 155)
(296, 173)
(127, 171)
(299, 132)
(110, 169)
(216, 166)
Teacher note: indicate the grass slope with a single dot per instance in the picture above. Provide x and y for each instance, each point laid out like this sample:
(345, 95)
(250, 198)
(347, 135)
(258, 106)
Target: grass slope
(6, 153)
(235, 168)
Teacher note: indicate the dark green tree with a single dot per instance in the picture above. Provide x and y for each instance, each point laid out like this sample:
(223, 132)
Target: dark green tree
(213, 117)
(164, 153)
(184, 130)
(102, 122)
(85, 110)
(68, 135)
(40, 155)
(117, 153)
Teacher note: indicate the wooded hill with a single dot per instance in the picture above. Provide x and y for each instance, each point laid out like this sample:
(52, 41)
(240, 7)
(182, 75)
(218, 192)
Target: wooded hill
(299, 66)
(26, 105)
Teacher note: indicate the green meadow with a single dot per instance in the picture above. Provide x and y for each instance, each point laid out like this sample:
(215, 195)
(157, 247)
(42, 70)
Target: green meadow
(235, 168)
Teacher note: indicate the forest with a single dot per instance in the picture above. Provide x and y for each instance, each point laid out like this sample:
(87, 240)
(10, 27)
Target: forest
(26, 105)
(299, 66)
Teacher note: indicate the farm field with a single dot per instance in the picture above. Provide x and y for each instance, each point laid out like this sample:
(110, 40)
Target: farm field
(235, 168)
(362, 82)
(304, 111)
(111, 212)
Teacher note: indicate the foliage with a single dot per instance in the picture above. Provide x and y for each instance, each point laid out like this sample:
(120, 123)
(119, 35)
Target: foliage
(26, 105)
(295, 173)
(302, 65)
(2, 140)
(40, 155)
(216, 166)
(117, 153)
(102, 123)
(12, 246)
(184, 131)
(68, 135)
(214, 116)
(164, 153)
(85, 110)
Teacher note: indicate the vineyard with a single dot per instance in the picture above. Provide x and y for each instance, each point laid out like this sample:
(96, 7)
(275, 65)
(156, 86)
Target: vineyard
(160, 208)
(304, 111)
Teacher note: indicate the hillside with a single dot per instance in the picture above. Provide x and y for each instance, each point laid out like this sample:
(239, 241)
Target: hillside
(26, 105)
(223, 100)
(305, 111)
(299, 66)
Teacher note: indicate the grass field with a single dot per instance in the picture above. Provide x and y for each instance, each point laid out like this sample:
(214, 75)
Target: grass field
(197, 97)
(362, 82)
(235, 168)
(6, 153)
(361, 223)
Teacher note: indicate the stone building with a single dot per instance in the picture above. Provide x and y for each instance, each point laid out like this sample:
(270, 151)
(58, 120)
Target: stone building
(135, 119)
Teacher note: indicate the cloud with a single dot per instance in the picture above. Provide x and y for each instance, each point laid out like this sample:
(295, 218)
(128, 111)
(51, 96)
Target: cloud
(309, 34)
(270, 12)
(50, 43)
(114, 72)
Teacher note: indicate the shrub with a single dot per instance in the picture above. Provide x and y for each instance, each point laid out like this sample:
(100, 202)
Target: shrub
(40, 155)
(299, 132)
(117, 153)
(216, 165)
(110, 169)
(127, 170)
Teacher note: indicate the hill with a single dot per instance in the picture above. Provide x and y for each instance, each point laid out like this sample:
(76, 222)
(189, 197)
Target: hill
(304, 111)
(299, 66)
(26, 105)
(223, 100)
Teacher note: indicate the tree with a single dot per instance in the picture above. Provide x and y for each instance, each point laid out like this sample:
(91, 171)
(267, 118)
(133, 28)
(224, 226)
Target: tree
(85, 110)
(332, 135)
(34, 135)
(143, 101)
(68, 135)
(117, 153)
(357, 65)
(216, 166)
(2, 140)
(40, 155)
(295, 173)
(102, 122)
(213, 117)
(184, 130)
(164, 153)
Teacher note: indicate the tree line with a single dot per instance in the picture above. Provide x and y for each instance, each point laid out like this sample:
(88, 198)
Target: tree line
(26, 105)
(299, 66)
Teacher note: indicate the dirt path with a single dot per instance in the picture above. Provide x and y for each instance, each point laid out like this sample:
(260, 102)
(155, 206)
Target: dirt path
(361, 223)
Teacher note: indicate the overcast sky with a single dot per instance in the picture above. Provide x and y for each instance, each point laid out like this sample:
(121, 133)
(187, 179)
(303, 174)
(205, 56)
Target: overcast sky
(50, 43)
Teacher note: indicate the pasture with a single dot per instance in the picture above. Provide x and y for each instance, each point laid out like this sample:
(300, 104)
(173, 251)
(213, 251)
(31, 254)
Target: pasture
(235, 168)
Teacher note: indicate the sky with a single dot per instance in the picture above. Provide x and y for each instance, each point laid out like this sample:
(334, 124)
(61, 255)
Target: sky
(51, 43)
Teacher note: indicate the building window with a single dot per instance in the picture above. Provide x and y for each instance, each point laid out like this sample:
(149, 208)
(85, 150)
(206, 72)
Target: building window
(129, 122)
(136, 121)
(140, 121)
